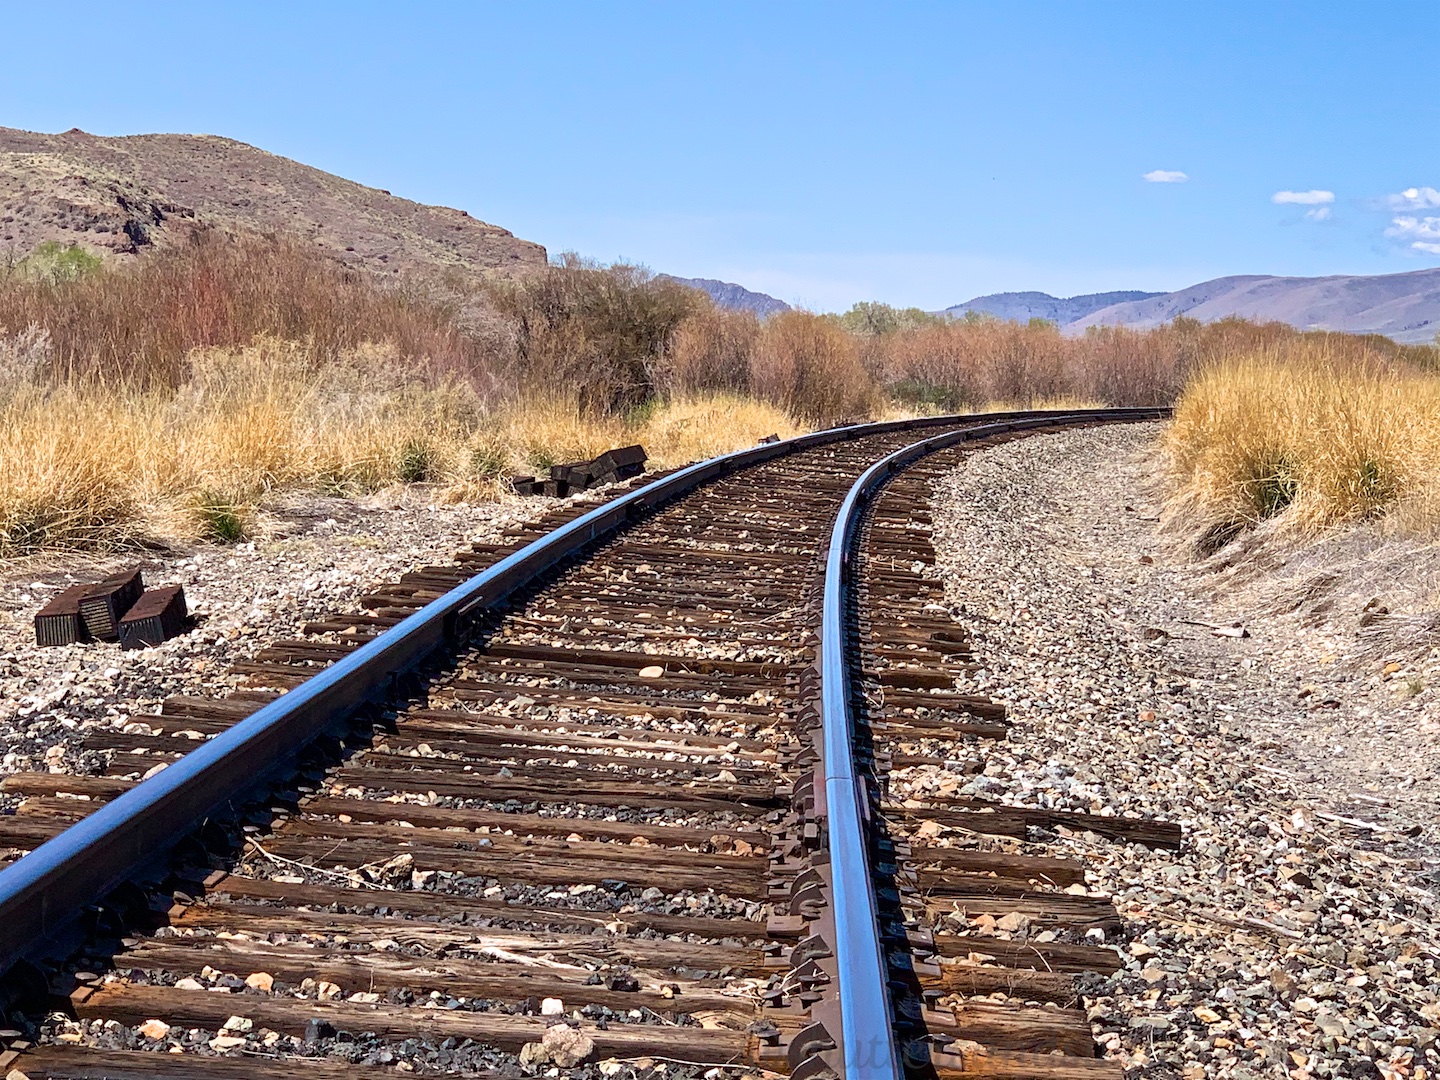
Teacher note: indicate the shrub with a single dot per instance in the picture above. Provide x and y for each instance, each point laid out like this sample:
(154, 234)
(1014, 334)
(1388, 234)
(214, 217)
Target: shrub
(871, 319)
(140, 322)
(49, 262)
(711, 353)
(595, 334)
(810, 366)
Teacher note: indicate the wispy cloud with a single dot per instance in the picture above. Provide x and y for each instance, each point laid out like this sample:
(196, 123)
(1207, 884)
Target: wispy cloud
(1422, 234)
(1320, 213)
(1303, 198)
(1165, 176)
(1415, 198)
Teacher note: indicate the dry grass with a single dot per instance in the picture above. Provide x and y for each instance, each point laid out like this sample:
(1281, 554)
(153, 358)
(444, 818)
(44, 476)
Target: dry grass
(1304, 434)
(692, 429)
(92, 466)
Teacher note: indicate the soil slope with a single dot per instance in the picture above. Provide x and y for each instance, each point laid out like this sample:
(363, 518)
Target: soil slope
(115, 196)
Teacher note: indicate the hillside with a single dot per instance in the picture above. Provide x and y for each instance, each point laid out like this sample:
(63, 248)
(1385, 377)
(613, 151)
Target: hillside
(1405, 307)
(115, 196)
(736, 297)
(1024, 306)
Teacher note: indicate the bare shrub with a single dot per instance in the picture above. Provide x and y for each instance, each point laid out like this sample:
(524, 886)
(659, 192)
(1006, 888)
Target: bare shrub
(972, 362)
(593, 333)
(711, 352)
(810, 366)
(220, 291)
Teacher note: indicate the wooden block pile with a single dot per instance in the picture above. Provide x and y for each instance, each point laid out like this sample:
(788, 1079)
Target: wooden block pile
(619, 464)
(119, 608)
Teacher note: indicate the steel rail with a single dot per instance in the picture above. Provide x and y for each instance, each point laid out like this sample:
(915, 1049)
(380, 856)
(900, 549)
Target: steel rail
(867, 1044)
(43, 892)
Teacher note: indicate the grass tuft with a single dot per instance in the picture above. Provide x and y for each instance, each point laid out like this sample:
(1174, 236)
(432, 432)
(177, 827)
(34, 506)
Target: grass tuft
(417, 462)
(1272, 484)
(221, 519)
(488, 461)
(1307, 437)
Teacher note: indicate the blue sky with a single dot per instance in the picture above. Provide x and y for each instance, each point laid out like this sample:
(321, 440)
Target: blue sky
(825, 153)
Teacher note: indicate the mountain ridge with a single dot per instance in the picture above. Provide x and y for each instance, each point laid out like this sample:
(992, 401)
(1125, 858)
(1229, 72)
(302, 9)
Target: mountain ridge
(1403, 306)
(727, 294)
(1024, 306)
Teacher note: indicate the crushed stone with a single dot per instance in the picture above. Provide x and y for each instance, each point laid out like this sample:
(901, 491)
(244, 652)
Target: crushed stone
(1296, 933)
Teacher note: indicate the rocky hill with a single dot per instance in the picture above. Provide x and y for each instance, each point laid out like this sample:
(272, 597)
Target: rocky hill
(736, 297)
(115, 196)
(1024, 306)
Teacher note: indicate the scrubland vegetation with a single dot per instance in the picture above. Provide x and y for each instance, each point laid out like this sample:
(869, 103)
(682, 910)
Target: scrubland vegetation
(1311, 434)
(179, 394)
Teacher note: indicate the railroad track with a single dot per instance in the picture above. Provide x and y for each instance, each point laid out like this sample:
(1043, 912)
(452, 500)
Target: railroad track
(614, 798)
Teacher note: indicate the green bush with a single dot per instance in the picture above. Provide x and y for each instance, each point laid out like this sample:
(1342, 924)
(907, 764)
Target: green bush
(870, 318)
(53, 263)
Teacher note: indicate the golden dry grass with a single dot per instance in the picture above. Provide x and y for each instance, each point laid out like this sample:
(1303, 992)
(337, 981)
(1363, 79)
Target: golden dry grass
(89, 466)
(692, 429)
(1303, 434)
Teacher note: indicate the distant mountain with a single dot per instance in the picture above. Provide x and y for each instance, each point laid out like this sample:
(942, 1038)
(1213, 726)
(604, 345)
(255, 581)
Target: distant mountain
(1024, 306)
(116, 196)
(1405, 307)
(726, 294)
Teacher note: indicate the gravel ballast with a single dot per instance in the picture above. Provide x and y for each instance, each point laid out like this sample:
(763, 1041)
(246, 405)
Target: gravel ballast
(316, 558)
(1295, 933)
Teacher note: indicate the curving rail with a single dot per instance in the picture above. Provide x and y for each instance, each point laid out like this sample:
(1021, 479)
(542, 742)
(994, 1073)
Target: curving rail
(867, 1043)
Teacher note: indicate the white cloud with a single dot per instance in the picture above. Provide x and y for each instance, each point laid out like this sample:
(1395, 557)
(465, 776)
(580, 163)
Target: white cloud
(1303, 198)
(1415, 198)
(1423, 234)
(1321, 213)
(1165, 176)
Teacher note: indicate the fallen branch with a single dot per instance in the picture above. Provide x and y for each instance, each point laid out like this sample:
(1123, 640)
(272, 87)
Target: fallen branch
(348, 879)
(1235, 630)
(1244, 922)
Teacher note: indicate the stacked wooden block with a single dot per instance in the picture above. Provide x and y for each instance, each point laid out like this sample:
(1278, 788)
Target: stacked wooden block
(619, 464)
(119, 608)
